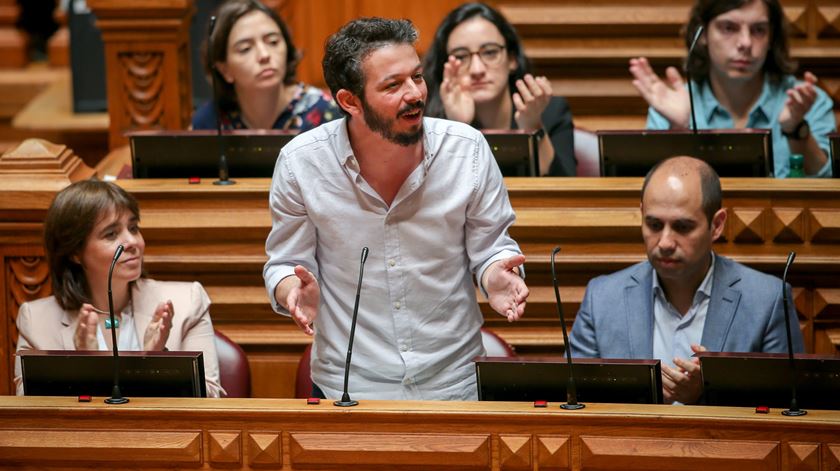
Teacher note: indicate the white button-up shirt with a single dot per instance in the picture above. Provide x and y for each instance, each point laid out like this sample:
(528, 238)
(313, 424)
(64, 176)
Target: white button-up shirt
(418, 323)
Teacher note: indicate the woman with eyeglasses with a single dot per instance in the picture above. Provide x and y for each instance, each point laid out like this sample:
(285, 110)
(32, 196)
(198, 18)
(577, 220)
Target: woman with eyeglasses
(477, 73)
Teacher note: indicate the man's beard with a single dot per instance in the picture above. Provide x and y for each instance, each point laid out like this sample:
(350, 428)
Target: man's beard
(383, 125)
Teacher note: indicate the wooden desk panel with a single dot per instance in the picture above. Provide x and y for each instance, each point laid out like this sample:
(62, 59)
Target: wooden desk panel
(60, 433)
(217, 235)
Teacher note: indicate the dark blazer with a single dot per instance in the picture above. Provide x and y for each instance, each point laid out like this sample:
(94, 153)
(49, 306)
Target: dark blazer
(745, 314)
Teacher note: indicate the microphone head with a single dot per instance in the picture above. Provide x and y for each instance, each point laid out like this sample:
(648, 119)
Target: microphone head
(209, 53)
(553, 254)
(120, 250)
(791, 257)
(696, 37)
(364, 254)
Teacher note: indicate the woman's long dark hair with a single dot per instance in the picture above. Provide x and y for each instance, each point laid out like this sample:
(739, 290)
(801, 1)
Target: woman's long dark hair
(437, 55)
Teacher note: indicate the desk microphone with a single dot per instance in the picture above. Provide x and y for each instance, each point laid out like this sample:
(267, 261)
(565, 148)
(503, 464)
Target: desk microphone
(688, 74)
(345, 398)
(794, 406)
(116, 395)
(571, 388)
(223, 165)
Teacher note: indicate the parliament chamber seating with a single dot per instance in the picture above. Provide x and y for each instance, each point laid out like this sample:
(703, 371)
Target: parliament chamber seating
(587, 154)
(216, 235)
(234, 371)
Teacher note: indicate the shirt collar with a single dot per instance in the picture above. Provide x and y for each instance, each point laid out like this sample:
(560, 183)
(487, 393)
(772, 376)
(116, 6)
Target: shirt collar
(765, 101)
(709, 104)
(342, 142)
(704, 290)
(345, 151)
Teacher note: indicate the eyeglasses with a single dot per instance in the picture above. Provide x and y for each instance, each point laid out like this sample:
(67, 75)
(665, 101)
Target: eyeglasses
(490, 54)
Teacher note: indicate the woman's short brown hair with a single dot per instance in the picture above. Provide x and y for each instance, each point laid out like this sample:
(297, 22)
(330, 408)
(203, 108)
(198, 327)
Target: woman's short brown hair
(71, 218)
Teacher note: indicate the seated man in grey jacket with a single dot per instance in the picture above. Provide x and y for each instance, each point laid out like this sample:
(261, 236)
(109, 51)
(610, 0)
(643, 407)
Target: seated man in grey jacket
(684, 298)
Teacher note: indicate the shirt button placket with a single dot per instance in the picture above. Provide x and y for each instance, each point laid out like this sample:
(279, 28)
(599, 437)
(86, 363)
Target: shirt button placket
(394, 288)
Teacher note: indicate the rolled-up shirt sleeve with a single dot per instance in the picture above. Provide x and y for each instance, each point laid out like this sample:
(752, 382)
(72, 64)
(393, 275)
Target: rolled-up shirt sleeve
(489, 216)
(292, 238)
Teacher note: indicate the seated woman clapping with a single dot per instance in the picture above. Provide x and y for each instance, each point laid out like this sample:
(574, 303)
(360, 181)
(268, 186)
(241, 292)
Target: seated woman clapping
(477, 73)
(85, 224)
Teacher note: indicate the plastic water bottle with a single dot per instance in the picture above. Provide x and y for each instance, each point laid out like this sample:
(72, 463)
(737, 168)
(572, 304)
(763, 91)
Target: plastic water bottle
(797, 166)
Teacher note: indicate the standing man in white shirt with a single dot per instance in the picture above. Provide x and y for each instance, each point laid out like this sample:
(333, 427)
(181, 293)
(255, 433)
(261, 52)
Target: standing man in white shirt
(428, 199)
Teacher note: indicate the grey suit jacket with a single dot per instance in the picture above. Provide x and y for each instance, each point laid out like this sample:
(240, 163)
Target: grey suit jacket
(44, 325)
(745, 314)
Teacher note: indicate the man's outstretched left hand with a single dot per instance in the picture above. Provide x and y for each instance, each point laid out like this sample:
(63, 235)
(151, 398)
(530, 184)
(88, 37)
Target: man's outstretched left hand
(506, 290)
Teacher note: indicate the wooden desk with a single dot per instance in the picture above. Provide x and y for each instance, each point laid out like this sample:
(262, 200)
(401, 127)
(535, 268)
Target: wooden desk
(216, 235)
(20, 86)
(60, 433)
(49, 115)
(52, 110)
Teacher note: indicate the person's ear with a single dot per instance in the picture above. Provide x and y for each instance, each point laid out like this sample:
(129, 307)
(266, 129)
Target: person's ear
(349, 102)
(224, 71)
(512, 65)
(718, 223)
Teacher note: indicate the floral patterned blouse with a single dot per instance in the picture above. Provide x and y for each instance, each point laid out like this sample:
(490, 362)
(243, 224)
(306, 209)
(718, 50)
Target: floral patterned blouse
(309, 108)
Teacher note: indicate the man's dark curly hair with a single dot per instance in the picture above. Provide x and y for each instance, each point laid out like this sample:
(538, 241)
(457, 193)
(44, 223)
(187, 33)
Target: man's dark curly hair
(345, 50)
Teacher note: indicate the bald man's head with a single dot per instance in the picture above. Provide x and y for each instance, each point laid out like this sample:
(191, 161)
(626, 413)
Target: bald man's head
(694, 174)
(681, 220)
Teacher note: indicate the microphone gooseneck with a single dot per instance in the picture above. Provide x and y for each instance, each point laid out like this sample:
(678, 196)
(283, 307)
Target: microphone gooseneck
(224, 175)
(571, 388)
(794, 409)
(345, 398)
(116, 395)
(688, 73)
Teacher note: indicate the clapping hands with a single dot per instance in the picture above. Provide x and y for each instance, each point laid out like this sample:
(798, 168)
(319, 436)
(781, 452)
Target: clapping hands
(457, 101)
(530, 100)
(85, 336)
(800, 99)
(157, 332)
(669, 97)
